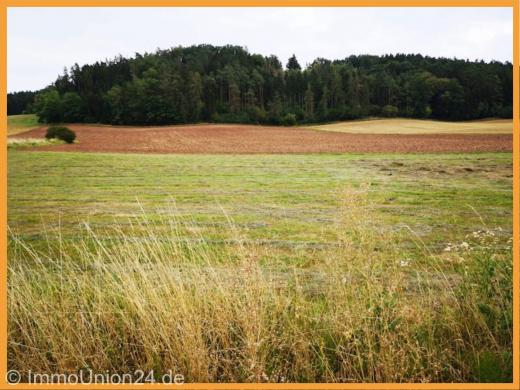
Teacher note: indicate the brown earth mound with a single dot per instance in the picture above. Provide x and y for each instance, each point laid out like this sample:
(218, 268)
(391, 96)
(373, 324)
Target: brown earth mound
(211, 138)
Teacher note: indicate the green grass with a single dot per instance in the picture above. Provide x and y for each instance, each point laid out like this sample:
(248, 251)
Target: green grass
(322, 267)
(20, 123)
(291, 199)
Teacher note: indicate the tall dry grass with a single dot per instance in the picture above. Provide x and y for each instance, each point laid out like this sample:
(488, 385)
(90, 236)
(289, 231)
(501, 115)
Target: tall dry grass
(153, 298)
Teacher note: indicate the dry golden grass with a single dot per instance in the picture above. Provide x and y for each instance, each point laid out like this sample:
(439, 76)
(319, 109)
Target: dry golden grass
(19, 143)
(417, 126)
(120, 301)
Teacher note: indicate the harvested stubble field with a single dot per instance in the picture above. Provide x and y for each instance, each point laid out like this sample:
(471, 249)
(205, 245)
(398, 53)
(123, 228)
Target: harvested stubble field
(245, 139)
(418, 126)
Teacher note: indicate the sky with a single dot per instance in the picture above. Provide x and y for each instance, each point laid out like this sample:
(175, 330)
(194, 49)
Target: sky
(42, 41)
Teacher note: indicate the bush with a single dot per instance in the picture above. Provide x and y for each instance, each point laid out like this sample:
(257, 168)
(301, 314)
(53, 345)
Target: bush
(59, 132)
(289, 120)
(258, 114)
(390, 111)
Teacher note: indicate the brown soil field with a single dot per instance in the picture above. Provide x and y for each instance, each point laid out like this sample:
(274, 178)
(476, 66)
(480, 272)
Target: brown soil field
(240, 139)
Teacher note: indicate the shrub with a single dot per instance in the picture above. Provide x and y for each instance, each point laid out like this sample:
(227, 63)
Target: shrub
(60, 132)
(390, 111)
(258, 114)
(289, 120)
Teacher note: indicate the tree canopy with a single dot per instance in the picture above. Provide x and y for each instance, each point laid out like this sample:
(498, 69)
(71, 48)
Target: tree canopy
(229, 84)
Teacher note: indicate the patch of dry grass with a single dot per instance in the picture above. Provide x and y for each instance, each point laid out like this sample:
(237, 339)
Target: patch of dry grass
(158, 299)
(418, 126)
(18, 143)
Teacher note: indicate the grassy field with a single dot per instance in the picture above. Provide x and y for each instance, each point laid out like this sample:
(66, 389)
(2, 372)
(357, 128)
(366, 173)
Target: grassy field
(419, 126)
(20, 123)
(292, 198)
(276, 268)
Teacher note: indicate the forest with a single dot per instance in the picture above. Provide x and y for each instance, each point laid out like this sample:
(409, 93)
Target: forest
(228, 84)
(20, 102)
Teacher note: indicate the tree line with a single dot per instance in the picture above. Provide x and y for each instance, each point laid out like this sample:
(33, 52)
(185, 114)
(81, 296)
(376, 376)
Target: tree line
(20, 102)
(229, 84)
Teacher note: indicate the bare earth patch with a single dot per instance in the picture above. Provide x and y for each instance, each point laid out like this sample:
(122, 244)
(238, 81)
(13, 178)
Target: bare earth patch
(241, 139)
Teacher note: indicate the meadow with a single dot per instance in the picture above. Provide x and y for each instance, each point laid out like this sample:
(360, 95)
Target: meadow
(268, 268)
(19, 123)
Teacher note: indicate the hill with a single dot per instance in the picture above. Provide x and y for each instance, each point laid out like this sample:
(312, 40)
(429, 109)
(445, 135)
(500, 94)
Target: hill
(229, 84)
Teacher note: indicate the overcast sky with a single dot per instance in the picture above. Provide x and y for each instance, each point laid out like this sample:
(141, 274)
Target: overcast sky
(42, 41)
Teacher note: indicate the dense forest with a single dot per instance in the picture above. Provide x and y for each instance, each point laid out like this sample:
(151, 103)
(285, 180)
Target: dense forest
(20, 102)
(228, 84)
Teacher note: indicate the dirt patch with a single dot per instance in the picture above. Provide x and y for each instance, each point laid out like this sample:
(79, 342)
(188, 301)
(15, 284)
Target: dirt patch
(240, 139)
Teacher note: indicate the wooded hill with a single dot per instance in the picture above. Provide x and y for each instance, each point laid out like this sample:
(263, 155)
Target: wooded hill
(228, 84)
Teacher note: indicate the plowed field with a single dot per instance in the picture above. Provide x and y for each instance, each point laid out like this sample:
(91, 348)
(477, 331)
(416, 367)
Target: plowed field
(242, 139)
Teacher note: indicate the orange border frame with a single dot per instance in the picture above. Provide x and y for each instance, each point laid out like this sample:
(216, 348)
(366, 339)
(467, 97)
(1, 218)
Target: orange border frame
(265, 3)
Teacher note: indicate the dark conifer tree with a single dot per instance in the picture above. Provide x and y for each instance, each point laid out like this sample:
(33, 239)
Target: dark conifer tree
(293, 64)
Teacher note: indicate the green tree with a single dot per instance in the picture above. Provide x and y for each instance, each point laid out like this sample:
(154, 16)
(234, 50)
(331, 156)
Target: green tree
(72, 107)
(293, 64)
(275, 109)
(323, 106)
(114, 99)
(47, 106)
(193, 96)
(448, 102)
(309, 104)
(420, 92)
(234, 98)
